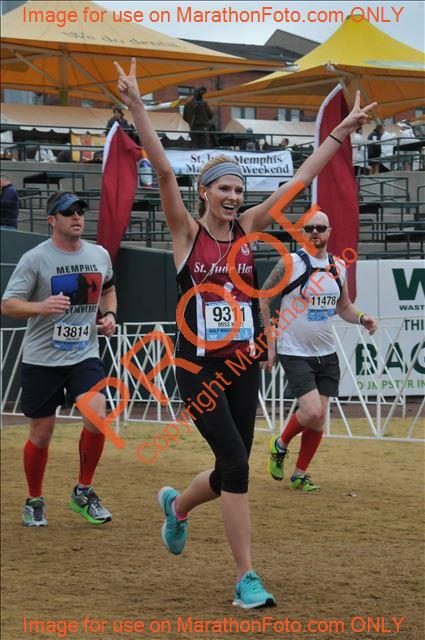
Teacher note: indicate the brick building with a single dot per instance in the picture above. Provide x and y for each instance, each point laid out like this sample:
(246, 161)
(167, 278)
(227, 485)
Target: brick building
(276, 49)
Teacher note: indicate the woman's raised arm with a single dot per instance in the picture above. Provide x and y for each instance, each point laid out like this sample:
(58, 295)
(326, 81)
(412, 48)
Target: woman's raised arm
(257, 218)
(180, 222)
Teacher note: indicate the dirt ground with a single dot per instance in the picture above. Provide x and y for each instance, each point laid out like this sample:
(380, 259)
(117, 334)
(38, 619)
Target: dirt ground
(351, 554)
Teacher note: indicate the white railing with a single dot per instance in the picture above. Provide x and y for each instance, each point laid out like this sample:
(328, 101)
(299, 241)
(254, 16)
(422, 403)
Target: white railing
(11, 353)
(377, 403)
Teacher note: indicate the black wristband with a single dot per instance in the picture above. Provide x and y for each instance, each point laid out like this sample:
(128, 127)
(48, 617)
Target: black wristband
(336, 139)
(112, 314)
(361, 316)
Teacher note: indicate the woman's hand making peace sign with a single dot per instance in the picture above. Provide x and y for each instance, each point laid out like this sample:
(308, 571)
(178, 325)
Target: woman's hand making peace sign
(127, 84)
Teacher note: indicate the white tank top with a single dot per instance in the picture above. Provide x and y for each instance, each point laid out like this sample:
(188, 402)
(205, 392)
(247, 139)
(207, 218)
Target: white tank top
(305, 323)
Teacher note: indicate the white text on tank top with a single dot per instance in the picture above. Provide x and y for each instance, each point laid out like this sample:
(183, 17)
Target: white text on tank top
(214, 315)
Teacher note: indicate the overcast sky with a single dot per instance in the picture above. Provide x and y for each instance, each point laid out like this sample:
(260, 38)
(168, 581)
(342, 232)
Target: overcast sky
(409, 28)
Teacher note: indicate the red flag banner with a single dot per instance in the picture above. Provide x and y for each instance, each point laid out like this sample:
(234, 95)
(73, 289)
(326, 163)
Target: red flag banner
(119, 182)
(335, 188)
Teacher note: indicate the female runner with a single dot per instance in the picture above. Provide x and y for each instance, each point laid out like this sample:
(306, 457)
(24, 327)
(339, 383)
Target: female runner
(228, 374)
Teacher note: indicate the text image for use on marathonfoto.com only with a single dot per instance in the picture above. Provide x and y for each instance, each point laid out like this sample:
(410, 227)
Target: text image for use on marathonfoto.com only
(272, 13)
(97, 628)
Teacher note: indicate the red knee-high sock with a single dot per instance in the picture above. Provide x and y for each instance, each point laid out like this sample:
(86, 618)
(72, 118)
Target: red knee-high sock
(310, 441)
(35, 460)
(292, 429)
(90, 447)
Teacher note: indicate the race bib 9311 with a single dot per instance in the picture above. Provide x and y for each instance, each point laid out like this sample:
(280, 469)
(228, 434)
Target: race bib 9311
(219, 321)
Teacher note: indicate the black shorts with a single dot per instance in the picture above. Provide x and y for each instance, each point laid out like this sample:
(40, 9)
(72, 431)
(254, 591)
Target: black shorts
(318, 372)
(228, 421)
(43, 388)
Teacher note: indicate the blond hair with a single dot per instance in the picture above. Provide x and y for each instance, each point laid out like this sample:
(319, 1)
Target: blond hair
(211, 163)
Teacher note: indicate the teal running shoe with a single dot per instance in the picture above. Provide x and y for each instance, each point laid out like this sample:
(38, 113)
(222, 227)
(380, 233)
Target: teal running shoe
(303, 483)
(34, 513)
(174, 531)
(87, 504)
(250, 593)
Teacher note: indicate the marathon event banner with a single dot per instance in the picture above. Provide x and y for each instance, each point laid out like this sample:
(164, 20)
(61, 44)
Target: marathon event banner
(394, 294)
(263, 171)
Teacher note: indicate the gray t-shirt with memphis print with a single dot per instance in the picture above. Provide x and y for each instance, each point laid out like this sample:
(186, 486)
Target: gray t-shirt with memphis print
(70, 337)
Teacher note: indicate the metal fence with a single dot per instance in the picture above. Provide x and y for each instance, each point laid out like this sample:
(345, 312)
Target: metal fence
(377, 409)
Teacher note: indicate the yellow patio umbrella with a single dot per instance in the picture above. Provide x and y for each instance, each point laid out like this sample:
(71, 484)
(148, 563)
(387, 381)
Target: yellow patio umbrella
(76, 58)
(358, 55)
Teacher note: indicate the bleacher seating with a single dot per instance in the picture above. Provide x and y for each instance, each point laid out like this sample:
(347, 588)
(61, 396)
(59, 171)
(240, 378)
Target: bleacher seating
(391, 222)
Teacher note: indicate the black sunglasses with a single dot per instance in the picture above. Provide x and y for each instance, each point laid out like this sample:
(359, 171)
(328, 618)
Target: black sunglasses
(70, 212)
(321, 228)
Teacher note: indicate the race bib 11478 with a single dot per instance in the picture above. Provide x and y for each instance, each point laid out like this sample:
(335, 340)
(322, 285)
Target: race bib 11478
(322, 306)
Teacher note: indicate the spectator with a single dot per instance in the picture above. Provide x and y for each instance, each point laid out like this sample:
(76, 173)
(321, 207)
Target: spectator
(249, 144)
(7, 155)
(9, 206)
(96, 159)
(98, 156)
(406, 129)
(359, 153)
(44, 154)
(198, 114)
(284, 144)
(133, 134)
(379, 150)
(64, 156)
(407, 134)
(118, 116)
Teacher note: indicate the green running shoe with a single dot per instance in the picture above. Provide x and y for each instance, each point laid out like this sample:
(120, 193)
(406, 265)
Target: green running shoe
(87, 503)
(275, 460)
(174, 531)
(250, 593)
(34, 513)
(304, 483)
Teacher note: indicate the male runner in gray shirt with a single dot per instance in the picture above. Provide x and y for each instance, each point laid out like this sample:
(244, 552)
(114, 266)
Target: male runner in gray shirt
(59, 286)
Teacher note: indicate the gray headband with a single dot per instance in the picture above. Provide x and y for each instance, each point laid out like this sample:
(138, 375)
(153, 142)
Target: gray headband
(220, 170)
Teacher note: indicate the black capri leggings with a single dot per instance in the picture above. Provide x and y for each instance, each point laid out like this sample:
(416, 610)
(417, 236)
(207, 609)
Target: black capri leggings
(228, 427)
